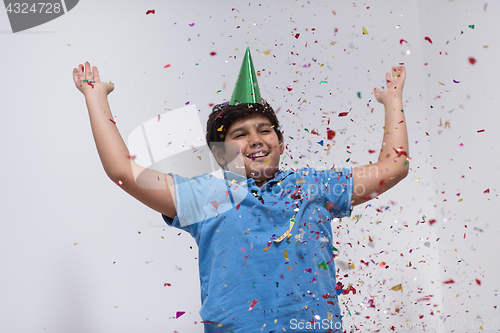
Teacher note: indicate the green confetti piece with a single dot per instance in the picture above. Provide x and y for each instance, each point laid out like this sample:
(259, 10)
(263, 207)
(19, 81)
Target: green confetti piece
(348, 160)
(403, 111)
(138, 232)
(471, 26)
(359, 94)
(253, 284)
(322, 265)
(324, 82)
(334, 249)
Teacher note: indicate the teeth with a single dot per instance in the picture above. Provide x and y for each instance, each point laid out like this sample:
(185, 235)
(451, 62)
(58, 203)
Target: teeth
(260, 154)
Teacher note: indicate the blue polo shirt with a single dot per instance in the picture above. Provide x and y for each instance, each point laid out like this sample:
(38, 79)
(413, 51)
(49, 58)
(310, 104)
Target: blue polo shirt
(249, 283)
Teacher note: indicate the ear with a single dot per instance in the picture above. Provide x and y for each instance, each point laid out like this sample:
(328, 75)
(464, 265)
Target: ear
(219, 155)
(282, 148)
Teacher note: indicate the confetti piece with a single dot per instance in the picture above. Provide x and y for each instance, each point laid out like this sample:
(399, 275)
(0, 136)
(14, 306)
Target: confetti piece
(332, 42)
(455, 81)
(167, 66)
(471, 26)
(215, 204)
(320, 142)
(254, 302)
(343, 114)
(150, 12)
(120, 182)
(285, 254)
(297, 36)
(75, 243)
(449, 281)
(289, 88)
(191, 24)
(428, 39)
(431, 222)
(441, 83)
(186, 103)
(480, 131)
(364, 31)
(331, 134)
(478, 281)
(397, 287)
(322, 265)
(213, 53)
(132, 157)
(472, 60)
(359, 94)
(487, 191)
(220, 128)
(280, 238)
(401, 41)
(179, 313)
(167, 284)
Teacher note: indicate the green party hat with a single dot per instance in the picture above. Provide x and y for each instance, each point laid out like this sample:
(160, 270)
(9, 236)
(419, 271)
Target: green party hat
(247, 88)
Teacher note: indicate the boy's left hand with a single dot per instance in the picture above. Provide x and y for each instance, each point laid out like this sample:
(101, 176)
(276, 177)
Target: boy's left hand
(394, 86)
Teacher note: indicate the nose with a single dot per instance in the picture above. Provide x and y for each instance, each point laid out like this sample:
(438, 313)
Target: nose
(255, 140)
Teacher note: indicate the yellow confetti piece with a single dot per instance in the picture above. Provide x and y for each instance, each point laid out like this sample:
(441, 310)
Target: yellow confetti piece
(397, 287)
(460, 200)
(332, 42)
(351, 266)
(77, 243)
(220, 128)
(364, 31)
(418, 180)
(267, 248)
(441, 83)
(285, 254)
(280, 238)
(266, 53)
(232, 182)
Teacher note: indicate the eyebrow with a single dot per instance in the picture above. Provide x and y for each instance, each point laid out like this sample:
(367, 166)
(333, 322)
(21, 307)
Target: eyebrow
(244, 127)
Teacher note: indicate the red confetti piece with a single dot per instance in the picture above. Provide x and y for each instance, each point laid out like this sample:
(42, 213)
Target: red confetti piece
(371, 151)
(238, 206)
(167, 284)
(314, 132)
(114, 122)
(289, 88)
(431, 222)
(167, 66)
(179, 313)
(449, 281)
(331, 134)
(158, 118)
(487, 191)
(343, 114)
(401, 41)
(213, 53)
(215, 204)
(297, 36)
(120, 182)
(480, 131)
(254, 302)
(132, 157)
(472, 60)
(150, 12)
(428, 39)
(478, 281)
(209, 322)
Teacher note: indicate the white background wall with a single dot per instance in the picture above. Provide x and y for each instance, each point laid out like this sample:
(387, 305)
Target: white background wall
(78, 254)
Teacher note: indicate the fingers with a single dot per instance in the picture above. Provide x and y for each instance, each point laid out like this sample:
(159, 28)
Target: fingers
(88, 72)
(388, 78)
(96, 74)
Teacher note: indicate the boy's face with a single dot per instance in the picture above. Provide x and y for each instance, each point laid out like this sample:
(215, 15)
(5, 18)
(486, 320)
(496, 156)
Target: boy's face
(256, 136)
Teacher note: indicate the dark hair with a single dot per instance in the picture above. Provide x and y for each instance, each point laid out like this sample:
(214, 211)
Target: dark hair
(226, 115)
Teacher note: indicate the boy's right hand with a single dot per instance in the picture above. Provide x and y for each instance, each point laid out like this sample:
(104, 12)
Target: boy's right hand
(90, 88)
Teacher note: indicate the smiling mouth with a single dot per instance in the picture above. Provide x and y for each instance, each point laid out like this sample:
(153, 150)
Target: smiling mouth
(258, 155)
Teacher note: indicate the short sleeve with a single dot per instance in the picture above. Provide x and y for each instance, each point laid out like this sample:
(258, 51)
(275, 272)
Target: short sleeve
(338, 189)
(203, 197)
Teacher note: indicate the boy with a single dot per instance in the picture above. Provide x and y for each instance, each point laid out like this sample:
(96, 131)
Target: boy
(266, 265)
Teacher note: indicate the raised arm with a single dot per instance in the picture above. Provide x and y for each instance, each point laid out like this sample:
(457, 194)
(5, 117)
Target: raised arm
(156, 189)
(393, 163)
